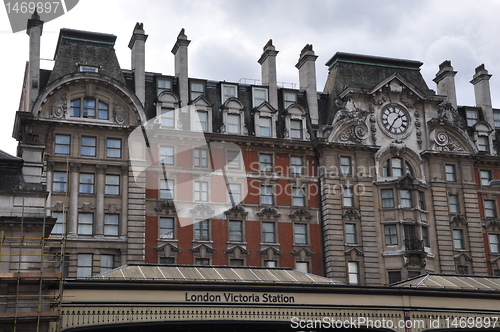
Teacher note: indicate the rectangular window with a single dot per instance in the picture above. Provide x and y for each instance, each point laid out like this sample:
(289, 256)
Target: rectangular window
(201, 191)
(59, 183)
(112, 185)
(421, 200)
(397, 167)
(269, 263)
(84, 266)
(405, 197)
(347, 197)
(266, 195)
(85, 223)
(453, 204)
(298, 197)
(394, 276)
(59, 226)
(490, 209)
(483, 144)
(236, 230)
(201, 230)
(233, 124)
(107, 263)
(197, 89)
(485, 177)
(113, 148)
(233, 160)
(229, 91)
(86, 183)
(202, 261)
(74, 110)
(201, 124)
(494, 240)
(391, 235)
(265, 127)
(236, 262)
(166, 189)
(167, 155)
(350, 234)
(200, 158)
(450, 173)
(265, 162)
(62, 144)
(89, 108)
(353, 270)
(425, 236)
(259, 96)
(296, 129)
(167, 260)
(458, 239)
(302, 266)
(268, 232)
(472, 117)
(300, 233)
(167, 118)
(88, 146)
(166, 228)
(496, 117)
(111, 223)
(235, 193)
(163, 85)
(345, 165)
(289, 98)
(297, 165)
(103, 111)
(463, 269)
(387, 198)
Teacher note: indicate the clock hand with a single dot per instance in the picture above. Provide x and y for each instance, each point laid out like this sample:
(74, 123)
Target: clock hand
(393, 122)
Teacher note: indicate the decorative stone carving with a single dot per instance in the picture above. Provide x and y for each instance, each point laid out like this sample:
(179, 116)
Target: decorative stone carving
(446, 113)
(398, 148)
(418, 126)
(74, 167)
(237, 252)
(166, 207)
(300, 214)
(101, 168)
(60, 108)
(87, 207)
(168, 249)
(268, 213)
(270, 253)
(236, 211)
(351, 214)
(302, 254)
(493, 224)
(354, 254)
(202, 210)
(444, 142)
(29, 136)
(202, 250)
(415, 260)
(119, 114)
(348, 112)
(459, 220)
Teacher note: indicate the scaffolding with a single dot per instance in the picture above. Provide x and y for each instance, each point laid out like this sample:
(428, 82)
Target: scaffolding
(31, 290)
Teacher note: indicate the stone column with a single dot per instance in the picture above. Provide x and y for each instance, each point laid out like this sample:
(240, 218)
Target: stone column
(73, 197)
(99, 210)
(124, 194)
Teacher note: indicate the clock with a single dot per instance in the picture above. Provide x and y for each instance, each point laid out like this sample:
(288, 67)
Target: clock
(395, 120)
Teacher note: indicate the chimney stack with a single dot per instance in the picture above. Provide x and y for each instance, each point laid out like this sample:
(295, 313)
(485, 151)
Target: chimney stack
(481, 82)
(268, 65)
(34, 30)
(445, 80)
(307, 79)
(181, 66)
(137, 45)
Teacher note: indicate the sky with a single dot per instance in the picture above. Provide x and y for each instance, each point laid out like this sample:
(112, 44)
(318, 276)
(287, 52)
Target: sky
(227, 37)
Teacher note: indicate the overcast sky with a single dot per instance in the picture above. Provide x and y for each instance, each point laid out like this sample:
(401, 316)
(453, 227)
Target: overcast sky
(227, 37)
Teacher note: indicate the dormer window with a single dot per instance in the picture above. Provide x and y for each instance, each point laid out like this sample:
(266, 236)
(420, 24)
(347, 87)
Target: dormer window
(289, 98)
(88, 69)
(162, 85)
(483, 144)
(234, 121)
(296, 129)
(228, 91)
(472, 117)
(265, 127)
(259, 96)
(233, 124)
(167, 118)
(196, 89)
(295, 123)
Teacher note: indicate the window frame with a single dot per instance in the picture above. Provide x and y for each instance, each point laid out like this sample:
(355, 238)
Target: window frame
(234, 163)
(83, 224)
(300, 234)
(58, 228)
(490, 211)
(391, 235)
(235, 234)
(347, 197)
(112, 188)
(450, 173)
(111, 150)
(268, 232)
(496, 119)
(406, 198)
(164, 158)
(201, 191)
(161, 89)
(289, 102)
(165, 120)
(166, 228)
(472, 117)
(111, 227)
(266, 194)
(452, 203)
(166, 190)
(92, 148)
(483, 143)
(494, 243)
(106, 268)
(201, 230)
(255, 99)
(90, 185)
(62, 145)
(225, 96)
(299, 196)
(294, 165)
(353, 272)
(299, 130)
(57, 183)
(266, 166)
(351, 235)
(200, 158)
(485, 180)
(83, 270)
(387, 199)
(346, 165)
(230, 125)
(193, 94)
(458, 241)
(268, 128)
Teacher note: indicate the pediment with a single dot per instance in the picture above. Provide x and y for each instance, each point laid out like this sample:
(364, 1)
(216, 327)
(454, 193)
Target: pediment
(295, 109)
(483, 127)
(233, 103)
(396, 84)
(265, 107)
(201, 101)
(445, 137)
(168, 97)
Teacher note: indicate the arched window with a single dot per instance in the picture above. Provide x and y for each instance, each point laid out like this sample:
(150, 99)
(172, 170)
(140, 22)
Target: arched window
(396, 167)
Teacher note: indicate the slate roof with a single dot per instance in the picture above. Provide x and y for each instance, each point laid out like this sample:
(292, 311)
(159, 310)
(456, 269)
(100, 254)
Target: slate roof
(11, 175)
(212, 274)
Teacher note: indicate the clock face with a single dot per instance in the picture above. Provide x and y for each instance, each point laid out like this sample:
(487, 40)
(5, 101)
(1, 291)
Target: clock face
(395, 120)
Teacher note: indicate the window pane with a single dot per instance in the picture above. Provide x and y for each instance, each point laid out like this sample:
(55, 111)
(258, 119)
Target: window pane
(233, 160)
(75, 108)
(86, 183)
(494, 242)
(391, 236)
(166, 189)
(228, 91)
(268, 232)
(458, 239)
(405, 196)
(397, 167)
(88, 146)
(265, 162)
(387, 198)
(103, 111)
(265, 126)
(201, 231)
(111, 224)
(62, 144)
(299, 197)
(483, 143)
(85, 223)
(89, 108)
(450, 172)
(235, 230)
(167, 118)
(454, 207)
(348, 197)
(167, 155)
(296, 129)
(59, 182)
(107, 262)
(233, 124)
(353, 273)
(163, 85)
(84, 266)
(345, 165)
(302, 266)
(485, 177)
(201, 123)
(112, 185)
(472, 117)
(200, 158)
(266, 195)
(197, 90)
(166, 228)
(259, 96)
(113, 148)
(297, 165)
(59, 226)
(201, 191)
(350, 233)
(300, 233)
(490, 210)
(289, 98)
(235, 192)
